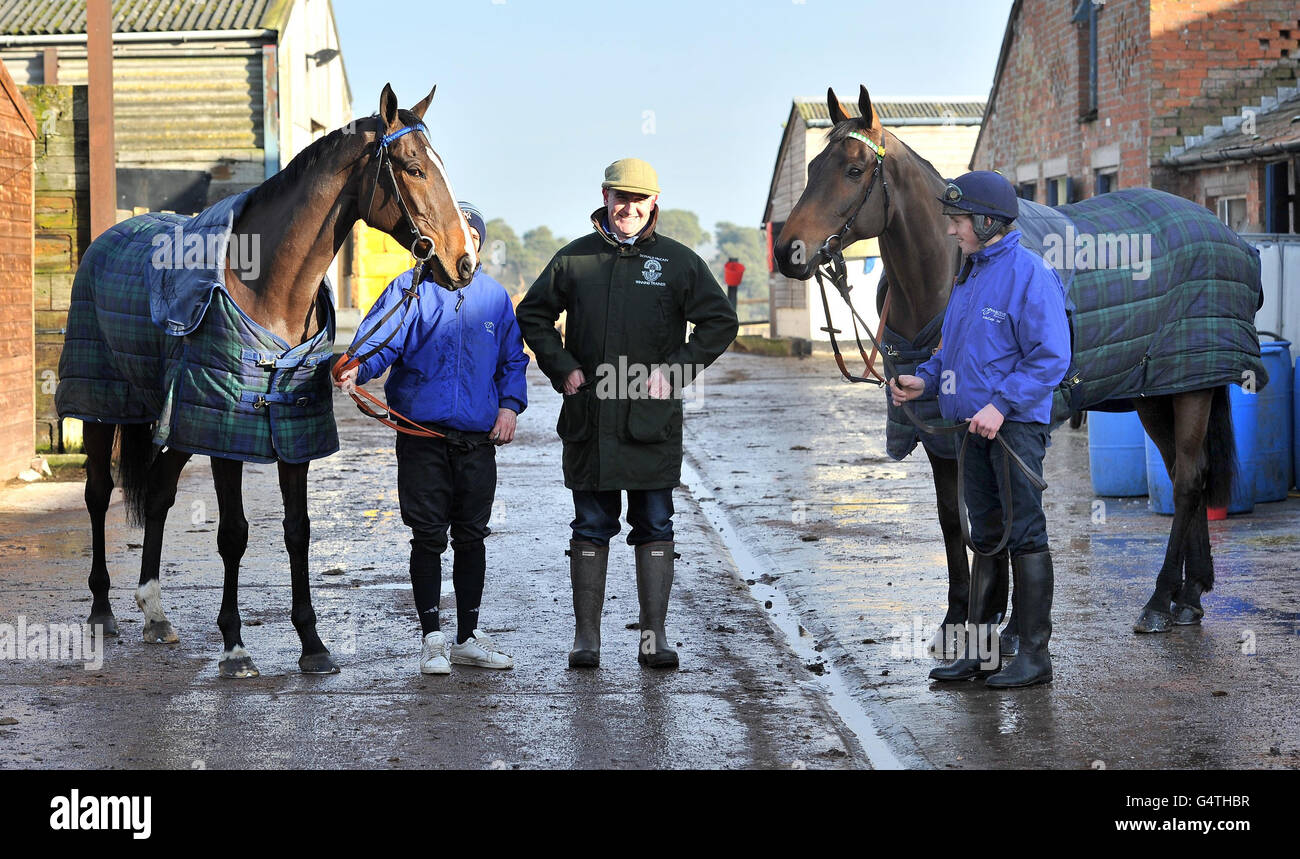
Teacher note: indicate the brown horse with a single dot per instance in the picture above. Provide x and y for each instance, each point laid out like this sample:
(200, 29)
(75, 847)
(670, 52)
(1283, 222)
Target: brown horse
(1191, 429)
(381, 170)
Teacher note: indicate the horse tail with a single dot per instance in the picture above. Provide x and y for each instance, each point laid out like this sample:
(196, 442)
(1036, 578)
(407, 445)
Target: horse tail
(1220, 451)
(135, 456)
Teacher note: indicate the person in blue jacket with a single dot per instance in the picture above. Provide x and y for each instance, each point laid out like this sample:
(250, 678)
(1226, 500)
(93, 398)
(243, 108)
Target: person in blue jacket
(458, 366)
(1005, 348)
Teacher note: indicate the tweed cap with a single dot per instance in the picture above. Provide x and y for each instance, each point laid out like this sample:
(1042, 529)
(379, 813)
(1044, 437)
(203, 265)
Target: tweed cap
(633, 175)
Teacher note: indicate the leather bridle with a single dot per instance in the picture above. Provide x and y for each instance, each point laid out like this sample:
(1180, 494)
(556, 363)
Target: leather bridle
(410, 295)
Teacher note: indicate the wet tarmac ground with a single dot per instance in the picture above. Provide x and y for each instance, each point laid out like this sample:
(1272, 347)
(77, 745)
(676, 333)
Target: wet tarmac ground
(741, 699)
(788, 490)
(794, 470)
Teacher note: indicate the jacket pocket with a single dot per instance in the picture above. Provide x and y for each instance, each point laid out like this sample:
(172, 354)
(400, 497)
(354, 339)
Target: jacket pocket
(650, 420)
(577, 415)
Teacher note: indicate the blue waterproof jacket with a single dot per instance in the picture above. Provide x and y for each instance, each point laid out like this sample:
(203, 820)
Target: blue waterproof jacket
(1006, 339)
(457, 357)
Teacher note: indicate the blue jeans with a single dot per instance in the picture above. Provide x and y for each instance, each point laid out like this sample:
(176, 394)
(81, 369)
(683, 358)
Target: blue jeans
(984, 490)
(649, 512)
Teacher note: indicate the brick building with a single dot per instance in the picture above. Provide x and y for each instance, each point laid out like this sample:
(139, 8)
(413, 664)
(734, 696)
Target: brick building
(1093, 96)
(17, 136)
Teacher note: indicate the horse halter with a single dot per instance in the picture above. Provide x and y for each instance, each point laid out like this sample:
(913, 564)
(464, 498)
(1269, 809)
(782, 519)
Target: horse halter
(385, 159)
(410, 294)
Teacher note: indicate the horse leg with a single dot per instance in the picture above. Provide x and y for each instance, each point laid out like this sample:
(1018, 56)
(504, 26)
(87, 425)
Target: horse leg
(232, 540)
(1171, 423)
(98, 441)
(163, 475)
(315, 657)
(1192, 413)
(944, 472)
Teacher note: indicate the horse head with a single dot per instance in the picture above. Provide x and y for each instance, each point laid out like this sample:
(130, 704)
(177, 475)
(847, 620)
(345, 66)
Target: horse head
(843, 201)
(406, 193)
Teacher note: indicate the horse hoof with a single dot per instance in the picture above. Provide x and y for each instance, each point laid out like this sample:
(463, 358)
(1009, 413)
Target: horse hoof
(106, 622)
(317, 663)
(237, 668)
(1154, 621)
(1187, 615)
(159, 632)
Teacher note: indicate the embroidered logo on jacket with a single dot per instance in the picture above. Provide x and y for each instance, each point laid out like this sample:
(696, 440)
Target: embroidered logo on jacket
(491, 327)
(991, 315)
(651, 271)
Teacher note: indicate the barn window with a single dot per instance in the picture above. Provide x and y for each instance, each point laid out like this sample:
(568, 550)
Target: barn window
(1060, 190)
(1105, 181)
(1027, 191)
(1279, 197)
(1085, 20)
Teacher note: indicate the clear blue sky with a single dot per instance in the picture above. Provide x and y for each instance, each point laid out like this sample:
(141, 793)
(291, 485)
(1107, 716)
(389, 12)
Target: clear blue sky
(536, 97)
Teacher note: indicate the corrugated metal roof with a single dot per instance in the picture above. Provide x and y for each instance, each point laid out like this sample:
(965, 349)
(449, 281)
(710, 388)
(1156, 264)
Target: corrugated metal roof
(61, 17)
(815, 114)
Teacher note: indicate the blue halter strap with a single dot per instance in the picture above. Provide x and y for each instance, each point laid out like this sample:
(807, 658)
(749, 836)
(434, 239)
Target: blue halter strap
(389, 138)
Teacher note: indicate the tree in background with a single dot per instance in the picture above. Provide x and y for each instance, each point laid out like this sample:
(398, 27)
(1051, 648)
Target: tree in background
(682, 225)
(745, 244)
(516, 262)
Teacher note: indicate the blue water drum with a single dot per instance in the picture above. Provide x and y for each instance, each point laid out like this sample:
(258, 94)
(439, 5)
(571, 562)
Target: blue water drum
(1274, 439)
(1116, 454)
(1245, 410)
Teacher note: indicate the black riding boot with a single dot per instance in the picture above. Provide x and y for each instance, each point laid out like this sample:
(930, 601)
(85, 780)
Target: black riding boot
(654, 582)
(587, 564)
(981, 627)
(1033, 587)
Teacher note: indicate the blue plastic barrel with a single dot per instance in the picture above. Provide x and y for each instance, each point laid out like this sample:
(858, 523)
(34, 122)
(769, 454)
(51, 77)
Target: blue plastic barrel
(1274, 439)
(1117, 454)
(1245, 408)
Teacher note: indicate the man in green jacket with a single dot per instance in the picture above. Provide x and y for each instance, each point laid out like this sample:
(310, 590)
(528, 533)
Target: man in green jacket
(622, 364)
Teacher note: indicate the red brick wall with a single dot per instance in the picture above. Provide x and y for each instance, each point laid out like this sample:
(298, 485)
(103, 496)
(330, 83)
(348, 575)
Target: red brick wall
(17, 409)
(1209, 58)
(1035, 115)
(1166, 68)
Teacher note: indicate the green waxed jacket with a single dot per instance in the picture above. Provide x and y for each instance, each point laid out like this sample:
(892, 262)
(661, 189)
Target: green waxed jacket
(628, 307)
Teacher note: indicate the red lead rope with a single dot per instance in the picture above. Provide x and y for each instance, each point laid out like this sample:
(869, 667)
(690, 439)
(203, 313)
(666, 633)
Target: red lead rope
(360, 395)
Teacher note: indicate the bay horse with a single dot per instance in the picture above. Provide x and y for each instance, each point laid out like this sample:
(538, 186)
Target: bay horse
(381, 170)
(1191, 428)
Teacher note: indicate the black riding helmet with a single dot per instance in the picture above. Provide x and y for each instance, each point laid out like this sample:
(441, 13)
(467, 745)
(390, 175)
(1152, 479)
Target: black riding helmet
(987, 196)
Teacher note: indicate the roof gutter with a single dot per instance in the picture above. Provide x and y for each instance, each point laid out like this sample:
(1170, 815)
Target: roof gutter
(7, 41)
(1234, 153)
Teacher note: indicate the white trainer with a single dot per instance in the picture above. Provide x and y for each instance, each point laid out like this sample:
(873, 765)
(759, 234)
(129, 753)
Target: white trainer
(433, 655)
(479, 650)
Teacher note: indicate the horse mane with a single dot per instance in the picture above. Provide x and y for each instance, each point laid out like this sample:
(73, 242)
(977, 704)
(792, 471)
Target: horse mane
(842, 130)
(305, 161)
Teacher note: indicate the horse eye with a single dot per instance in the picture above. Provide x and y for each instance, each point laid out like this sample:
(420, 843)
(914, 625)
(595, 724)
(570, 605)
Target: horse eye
(416, 172)
(854, 172)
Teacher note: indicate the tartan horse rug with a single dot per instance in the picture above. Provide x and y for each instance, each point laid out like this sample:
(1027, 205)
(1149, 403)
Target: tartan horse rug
(1161, 296)
(153, 337)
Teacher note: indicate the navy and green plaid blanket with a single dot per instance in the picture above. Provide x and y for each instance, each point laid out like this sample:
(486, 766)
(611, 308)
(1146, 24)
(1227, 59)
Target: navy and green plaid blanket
(1162, 298)
(153, 337)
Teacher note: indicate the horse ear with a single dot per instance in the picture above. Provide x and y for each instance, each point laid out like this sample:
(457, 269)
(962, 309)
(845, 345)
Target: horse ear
(420, 108)
(838, 114)
(868, 112)
(388, 106)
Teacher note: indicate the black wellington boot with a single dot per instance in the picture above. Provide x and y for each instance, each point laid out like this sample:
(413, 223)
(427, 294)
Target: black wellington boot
(1009, 638)
(654, 582)
(1033, 664)
(587, 564)
(980, 632)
